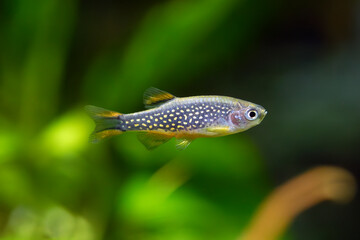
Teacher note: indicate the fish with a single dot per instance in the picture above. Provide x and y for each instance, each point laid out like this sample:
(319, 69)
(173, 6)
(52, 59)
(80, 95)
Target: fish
(183, 118)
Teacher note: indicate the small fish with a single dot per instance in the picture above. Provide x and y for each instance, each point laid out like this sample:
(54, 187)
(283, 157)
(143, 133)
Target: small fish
(185, 118)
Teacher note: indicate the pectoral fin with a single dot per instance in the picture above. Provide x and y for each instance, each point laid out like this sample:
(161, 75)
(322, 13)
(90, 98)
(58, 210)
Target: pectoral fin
(181, 144)
(219, 129)
(152, 140)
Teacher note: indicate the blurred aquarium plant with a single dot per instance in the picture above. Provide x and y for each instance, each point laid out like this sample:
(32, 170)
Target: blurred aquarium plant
(54, 185)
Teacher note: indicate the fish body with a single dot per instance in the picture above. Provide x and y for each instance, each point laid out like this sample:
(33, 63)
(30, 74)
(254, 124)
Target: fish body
(184, 118)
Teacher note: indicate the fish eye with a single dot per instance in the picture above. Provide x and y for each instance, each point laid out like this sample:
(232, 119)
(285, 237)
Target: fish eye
(251, 114)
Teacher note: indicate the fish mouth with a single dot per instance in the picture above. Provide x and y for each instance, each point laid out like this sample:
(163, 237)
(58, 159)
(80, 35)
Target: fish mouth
(263, 114)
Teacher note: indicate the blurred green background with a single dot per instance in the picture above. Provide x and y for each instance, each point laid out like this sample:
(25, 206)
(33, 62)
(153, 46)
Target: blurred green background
(299, 59)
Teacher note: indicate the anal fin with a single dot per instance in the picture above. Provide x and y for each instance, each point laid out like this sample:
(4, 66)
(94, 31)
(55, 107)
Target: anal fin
(152, 140)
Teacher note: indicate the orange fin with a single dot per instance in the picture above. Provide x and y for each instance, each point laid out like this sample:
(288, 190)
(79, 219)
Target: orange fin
(152, 140)
(106, 121)
(154, 97)
(95, 137)
(98, 112)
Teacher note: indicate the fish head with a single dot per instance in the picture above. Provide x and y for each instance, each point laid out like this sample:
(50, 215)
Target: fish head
(246, 115)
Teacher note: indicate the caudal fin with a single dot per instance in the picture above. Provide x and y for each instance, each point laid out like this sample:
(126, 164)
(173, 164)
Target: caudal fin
(107, 123)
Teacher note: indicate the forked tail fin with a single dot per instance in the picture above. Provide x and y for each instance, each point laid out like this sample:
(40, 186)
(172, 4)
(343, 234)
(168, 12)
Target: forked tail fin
(108, 123)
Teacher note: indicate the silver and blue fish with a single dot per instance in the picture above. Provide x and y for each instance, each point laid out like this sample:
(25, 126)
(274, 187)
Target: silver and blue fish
(185, 118)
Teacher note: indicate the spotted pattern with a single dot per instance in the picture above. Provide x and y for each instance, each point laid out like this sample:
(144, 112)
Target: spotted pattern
(176, 117)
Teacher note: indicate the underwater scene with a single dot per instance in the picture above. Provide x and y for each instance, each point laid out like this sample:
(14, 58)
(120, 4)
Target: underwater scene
(179, 120)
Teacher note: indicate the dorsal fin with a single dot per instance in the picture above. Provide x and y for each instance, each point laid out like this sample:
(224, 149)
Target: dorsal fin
(154, 97)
